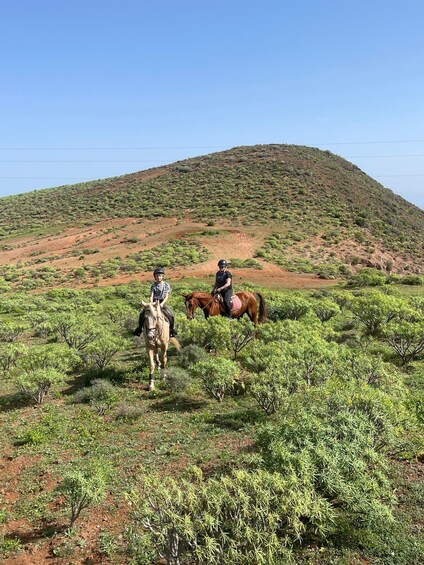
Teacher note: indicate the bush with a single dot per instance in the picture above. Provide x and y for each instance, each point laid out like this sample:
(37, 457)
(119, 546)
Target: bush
(190, 354)
(333, 440)
(103, 349)
(128, 412)
(413, 280)
(51, 425)
(84, 485)
(271, 387)
(245, 517)
(36, 384)
(177, 381)
(76, 332)
(292, 308)
(325, 309)
(11, 331)
(10, 546)
(100, 392)
(374, 310)
(406, 339)
(55, 356)
(217, 375)
(368, 277)
(9, 356)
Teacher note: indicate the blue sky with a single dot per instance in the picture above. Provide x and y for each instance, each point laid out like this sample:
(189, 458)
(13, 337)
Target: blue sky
(95, 89)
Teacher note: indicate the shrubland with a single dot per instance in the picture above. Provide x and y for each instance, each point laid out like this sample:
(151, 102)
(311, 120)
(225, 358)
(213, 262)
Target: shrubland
(297, 441)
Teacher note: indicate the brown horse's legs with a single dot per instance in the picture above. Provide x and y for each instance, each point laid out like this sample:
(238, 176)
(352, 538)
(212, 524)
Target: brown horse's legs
(253, 314)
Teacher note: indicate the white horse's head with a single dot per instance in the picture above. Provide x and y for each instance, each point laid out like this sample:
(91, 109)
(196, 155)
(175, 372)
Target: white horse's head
(153, 317)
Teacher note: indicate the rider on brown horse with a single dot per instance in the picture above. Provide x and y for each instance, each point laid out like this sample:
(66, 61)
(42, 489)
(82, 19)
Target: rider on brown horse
(224, 286)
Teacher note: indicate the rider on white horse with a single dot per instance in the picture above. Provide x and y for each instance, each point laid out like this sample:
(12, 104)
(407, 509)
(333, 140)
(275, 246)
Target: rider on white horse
(159, 291)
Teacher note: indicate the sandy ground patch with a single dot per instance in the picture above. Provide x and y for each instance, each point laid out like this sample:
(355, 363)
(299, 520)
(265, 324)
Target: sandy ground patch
(120, 237)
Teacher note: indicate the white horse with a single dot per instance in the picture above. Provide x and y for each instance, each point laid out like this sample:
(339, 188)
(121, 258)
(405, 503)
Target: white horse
(156, 336)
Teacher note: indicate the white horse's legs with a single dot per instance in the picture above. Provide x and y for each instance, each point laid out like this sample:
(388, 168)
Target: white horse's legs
(158, 359)
(163, 357)
(152, 369)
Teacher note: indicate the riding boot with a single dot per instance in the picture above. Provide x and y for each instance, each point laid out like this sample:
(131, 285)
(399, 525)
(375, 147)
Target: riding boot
(172, 331)
(170, 317)
(139, 329)
(226, 298)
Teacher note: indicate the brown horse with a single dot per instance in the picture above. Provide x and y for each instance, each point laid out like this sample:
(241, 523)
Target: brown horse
(212, 307)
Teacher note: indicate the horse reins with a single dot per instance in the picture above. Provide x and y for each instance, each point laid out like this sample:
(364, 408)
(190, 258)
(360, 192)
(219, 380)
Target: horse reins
(155, 329)
(207, 304)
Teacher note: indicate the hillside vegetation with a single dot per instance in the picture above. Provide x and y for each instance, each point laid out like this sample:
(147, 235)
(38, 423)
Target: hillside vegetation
(314, 208)
(299, 441)
(299, 444)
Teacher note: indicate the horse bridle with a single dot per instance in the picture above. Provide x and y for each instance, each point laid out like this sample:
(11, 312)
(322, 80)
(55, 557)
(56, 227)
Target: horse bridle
(153, 330)
(201, 307)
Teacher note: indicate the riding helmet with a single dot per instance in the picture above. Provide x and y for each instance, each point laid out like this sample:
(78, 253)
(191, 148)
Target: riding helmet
(158, 271)
(222, 263)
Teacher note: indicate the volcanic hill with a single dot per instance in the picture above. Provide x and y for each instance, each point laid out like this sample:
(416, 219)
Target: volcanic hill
(271, 209)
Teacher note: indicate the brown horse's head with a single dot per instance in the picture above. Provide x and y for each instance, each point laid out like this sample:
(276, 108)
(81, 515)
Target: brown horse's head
(191, 304)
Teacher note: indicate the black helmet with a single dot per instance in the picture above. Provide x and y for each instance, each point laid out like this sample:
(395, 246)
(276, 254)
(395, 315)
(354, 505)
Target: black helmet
(222, 263)
(158, 271)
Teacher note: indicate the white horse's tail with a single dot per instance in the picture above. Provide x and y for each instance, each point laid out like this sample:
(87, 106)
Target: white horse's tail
(175, 343)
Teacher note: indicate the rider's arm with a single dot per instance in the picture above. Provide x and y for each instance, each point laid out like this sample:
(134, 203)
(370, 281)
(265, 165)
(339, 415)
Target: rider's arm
(227, 283)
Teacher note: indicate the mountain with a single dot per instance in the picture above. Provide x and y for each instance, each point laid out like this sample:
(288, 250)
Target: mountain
(301, 208)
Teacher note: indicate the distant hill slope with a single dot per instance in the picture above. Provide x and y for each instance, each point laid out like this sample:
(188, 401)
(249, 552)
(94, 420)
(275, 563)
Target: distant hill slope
(305, 197)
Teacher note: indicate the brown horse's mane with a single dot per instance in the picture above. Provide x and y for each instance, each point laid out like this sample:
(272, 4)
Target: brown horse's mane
(199, 295)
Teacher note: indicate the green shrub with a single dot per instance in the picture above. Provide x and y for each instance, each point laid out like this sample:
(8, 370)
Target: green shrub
(11, 331)
(52, 425)
(102, 350)
(270, 388)
(413, 280)
(368, 277)
(333, 447)
(217, 375)
(84, 485)
(244, 517)
(9, 356)
(292, 308)
(177, 381)
(48, 356)
(76, 331)
(325, 309)
(128, 412)
(36, 384)
(190, 354)
(100, 392)
(374, 310)
(406, 339)
(10, 546)
(245, 264)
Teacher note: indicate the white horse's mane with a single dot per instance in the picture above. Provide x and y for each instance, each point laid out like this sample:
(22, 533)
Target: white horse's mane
(161, 322)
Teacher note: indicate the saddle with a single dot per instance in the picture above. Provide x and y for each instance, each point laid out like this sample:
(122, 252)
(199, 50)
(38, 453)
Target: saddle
(235, 301)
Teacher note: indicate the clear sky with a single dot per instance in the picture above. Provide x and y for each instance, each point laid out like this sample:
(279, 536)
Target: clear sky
(91, 89)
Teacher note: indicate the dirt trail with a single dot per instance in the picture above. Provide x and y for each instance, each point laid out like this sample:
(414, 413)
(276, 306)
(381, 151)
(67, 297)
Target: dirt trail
(119, 237)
